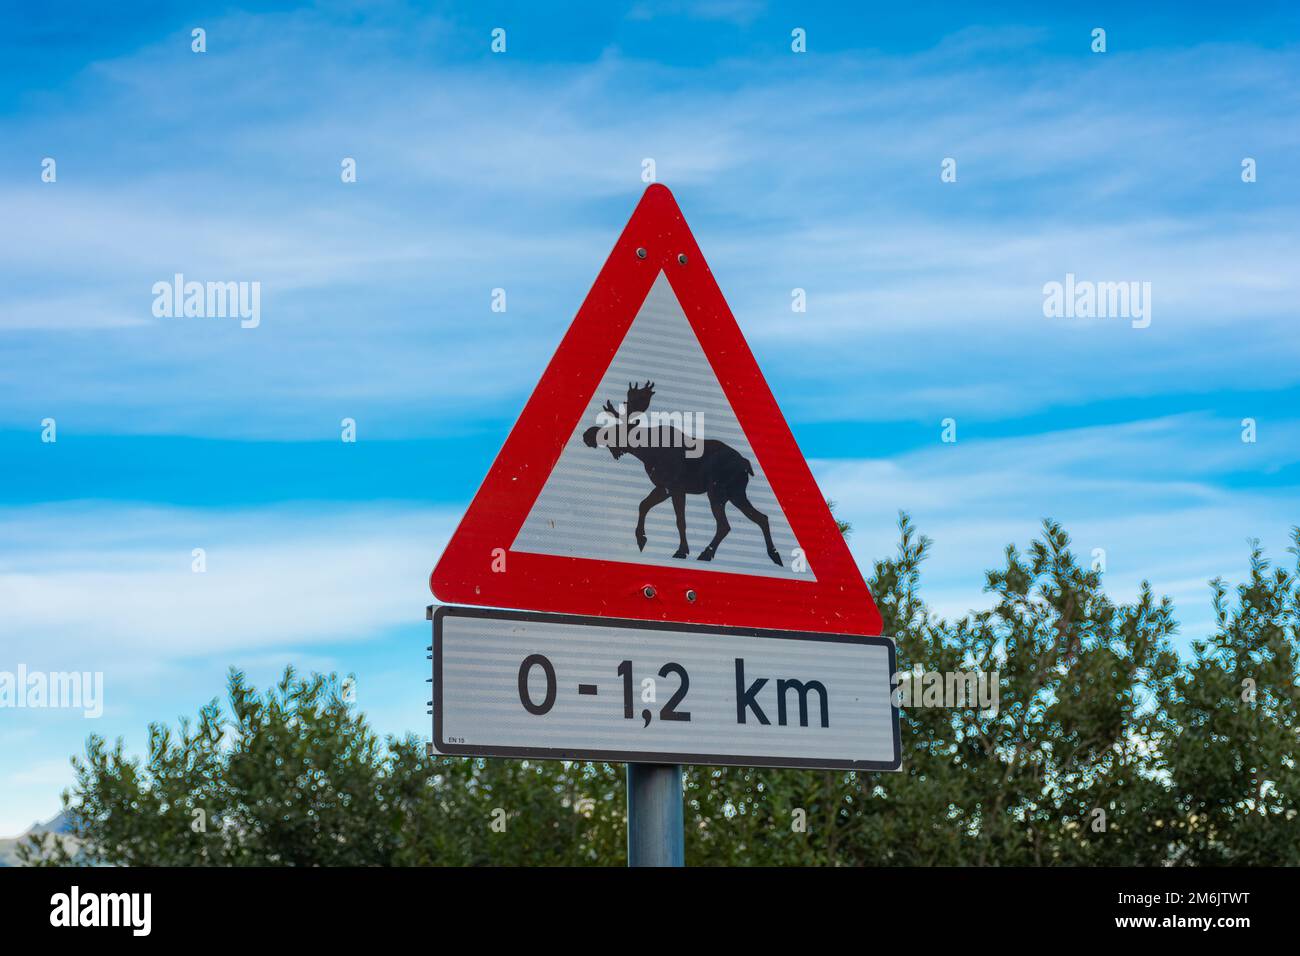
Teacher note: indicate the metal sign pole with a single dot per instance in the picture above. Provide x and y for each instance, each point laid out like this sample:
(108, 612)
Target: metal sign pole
(655, 834)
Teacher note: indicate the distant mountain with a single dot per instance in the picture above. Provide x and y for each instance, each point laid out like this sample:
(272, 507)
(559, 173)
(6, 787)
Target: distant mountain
(60, 823)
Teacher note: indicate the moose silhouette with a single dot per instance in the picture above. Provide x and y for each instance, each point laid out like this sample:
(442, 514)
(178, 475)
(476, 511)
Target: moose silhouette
(718, 470)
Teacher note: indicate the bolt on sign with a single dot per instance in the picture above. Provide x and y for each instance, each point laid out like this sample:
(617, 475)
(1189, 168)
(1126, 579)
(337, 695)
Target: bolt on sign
(652, 478)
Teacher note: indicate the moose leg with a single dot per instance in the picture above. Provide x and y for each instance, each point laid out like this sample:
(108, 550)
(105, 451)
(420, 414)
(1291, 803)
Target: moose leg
(741, 501)
(679, 505)
(652, 499)
(719, 506)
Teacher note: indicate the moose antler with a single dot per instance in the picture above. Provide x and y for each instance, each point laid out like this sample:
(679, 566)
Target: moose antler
(638, 397)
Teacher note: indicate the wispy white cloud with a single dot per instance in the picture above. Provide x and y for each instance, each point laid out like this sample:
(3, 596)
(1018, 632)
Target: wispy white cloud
(735, 11)
(1154, 495)
(101, 587)
(516, 174)
(50, 313)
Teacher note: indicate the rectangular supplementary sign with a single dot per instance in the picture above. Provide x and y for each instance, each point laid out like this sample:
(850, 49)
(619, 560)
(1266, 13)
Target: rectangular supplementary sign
(520, 684)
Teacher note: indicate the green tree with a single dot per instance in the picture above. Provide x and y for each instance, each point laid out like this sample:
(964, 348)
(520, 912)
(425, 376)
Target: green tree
(1234, 760)
(295, 776)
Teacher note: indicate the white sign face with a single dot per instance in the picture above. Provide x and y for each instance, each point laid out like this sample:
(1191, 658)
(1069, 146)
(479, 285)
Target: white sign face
(517, 684)
(662, 384)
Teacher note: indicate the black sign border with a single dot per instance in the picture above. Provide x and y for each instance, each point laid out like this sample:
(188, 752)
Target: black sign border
(441, 747)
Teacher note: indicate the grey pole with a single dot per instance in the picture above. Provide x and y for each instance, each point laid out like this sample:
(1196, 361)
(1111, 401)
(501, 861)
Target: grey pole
(654, 815)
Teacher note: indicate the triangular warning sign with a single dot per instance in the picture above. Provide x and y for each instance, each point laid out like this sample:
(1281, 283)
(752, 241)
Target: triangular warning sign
(651, 475)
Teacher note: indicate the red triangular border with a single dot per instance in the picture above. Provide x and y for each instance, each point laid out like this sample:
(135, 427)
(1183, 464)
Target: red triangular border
(837, 602)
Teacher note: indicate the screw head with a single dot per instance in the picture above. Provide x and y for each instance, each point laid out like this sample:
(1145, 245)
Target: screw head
(648, 591)
(640, 252)
(690, 596)
(681, 257)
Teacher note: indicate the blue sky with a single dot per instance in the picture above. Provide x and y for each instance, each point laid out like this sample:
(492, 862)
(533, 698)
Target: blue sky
(477, 171)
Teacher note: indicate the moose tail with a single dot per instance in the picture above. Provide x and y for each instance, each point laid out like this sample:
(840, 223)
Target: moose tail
(748, 467)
